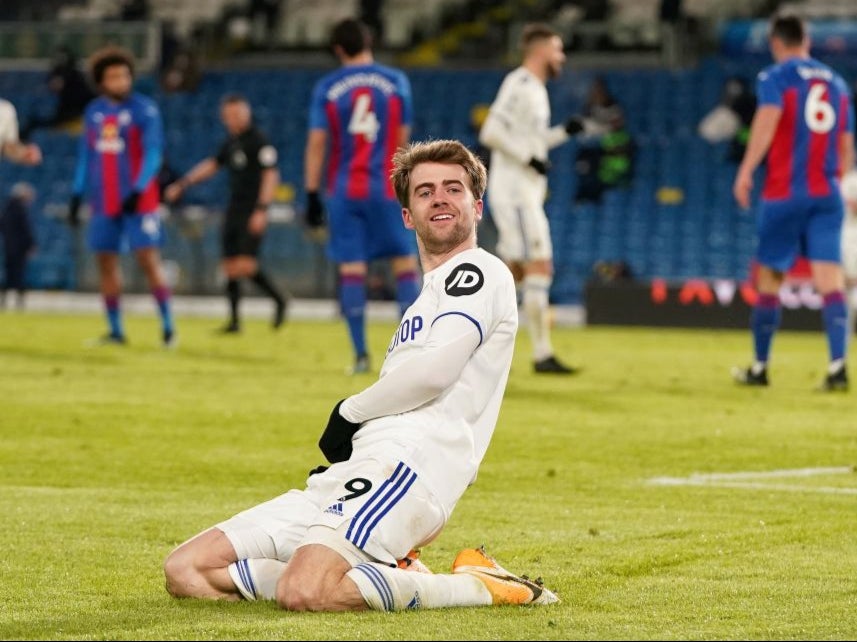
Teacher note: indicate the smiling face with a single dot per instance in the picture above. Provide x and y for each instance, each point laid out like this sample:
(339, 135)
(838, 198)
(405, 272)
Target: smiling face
(442, 209)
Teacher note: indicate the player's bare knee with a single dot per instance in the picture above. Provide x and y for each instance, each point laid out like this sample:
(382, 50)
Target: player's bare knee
(178, 573)
(294, 594)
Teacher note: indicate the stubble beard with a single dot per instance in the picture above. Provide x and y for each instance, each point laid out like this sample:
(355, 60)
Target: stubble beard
(439, 246)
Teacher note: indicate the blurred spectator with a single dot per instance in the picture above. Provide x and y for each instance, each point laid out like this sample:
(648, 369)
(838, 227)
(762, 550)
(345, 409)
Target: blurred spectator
(72, 90)
(264, 18)
(730, 119)
(606, 161)
(134, 10)
(671, 18)
(612, 272)
(602, 107)
(181, 72)
(370, 14)
(18, 240)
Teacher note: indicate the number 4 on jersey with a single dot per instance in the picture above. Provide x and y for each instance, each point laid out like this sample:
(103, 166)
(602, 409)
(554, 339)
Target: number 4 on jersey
(363, 119)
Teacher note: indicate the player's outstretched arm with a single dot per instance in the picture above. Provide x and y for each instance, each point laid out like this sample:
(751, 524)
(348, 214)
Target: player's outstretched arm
(199, 173)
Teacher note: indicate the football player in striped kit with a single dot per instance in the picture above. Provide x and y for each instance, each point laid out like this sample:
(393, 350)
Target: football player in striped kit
(804, 128)
(359, 116)
(119, 156)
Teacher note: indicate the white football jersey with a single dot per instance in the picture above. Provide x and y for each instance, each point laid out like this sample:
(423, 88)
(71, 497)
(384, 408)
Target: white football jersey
(517, 129)
(8, 123)
(445, 439)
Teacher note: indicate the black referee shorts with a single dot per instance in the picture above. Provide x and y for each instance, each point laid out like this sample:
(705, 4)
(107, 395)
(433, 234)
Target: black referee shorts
(238, 241)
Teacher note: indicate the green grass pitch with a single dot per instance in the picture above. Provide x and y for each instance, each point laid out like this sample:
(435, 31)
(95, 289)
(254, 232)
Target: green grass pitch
(110, 457)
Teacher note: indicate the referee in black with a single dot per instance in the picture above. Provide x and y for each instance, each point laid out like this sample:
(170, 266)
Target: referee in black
(253, 177)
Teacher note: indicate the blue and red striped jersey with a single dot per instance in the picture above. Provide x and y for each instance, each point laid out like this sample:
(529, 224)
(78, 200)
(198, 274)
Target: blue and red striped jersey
(120, 151)
(362, 109)
(803, 159)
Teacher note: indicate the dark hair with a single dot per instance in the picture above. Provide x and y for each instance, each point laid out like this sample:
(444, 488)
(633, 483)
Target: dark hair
(233, 97)
(788, 28)
(352, 35)
(534, 32)
(448, 152)
(110, 56)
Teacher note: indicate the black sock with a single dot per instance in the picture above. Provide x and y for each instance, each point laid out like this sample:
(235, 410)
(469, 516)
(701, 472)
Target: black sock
(233, 293)
(264, 283)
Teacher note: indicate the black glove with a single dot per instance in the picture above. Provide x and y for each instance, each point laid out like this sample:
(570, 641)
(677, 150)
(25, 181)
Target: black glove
(129, 205)
(74, 210)
(335, 442)
(314, 210)
(316, 470)
(574, 125)
(541, 166)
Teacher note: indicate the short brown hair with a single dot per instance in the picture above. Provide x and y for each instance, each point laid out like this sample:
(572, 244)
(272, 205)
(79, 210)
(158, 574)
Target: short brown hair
(448, 152)
(788, 28)
(534, 32)
(108, 57)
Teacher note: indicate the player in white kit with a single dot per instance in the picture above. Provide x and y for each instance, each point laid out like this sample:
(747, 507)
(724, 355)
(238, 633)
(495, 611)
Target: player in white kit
(849, 241)
(517, 130)
(404, 450)
(10, 145)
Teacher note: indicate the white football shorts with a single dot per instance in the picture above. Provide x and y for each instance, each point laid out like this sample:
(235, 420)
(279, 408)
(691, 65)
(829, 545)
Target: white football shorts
(366, 510)
(523, 230)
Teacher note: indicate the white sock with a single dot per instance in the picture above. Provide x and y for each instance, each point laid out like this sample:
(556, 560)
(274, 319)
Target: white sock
(536, 305)
(392, 589)
(758, 367)
(835, 365)
(256, 579)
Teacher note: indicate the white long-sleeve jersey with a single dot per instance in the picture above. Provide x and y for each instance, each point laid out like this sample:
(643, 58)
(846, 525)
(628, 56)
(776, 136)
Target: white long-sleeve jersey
(517, 129)
(8, 123)
(436, 402)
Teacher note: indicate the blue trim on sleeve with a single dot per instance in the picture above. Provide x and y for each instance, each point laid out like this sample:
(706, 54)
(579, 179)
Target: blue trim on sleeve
(79, 184)
(153, 146)
(466, 316)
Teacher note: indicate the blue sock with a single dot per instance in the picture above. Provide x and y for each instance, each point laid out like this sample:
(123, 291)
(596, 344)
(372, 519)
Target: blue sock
(162, 296)
(835, 316)
(114, 315)
(764, 323)
(352, 299)
(407, 290)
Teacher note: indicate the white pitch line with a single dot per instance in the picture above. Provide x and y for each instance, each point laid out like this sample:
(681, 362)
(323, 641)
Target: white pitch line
(742, 480)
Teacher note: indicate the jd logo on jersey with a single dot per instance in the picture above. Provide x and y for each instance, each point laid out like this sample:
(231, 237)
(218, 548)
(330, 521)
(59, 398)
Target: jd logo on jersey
(465, 279)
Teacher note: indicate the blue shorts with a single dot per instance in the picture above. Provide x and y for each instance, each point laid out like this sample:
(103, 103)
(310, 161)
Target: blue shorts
(804, 226)
(362, 230)
(123, 233)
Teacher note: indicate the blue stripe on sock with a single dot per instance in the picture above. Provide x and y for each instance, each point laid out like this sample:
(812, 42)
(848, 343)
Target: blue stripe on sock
(244, 574)
(380, 584)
